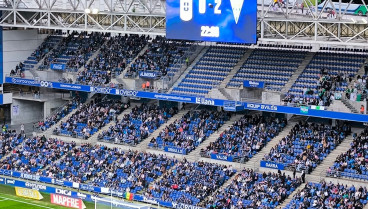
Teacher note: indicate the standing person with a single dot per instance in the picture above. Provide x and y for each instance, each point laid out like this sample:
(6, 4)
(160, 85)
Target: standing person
(294, 172)
(303, 176)
(22, 128)
(362, 109)
(187, 61)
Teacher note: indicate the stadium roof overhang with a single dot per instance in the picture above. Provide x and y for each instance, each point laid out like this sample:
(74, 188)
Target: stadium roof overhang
(285, 25)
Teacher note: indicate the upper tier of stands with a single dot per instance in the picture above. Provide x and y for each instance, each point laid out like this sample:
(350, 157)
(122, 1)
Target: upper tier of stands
(113, 57)
(160, 56)
(307, 145)
(74, 50)
(254, 190)
(245, 138)
(190, 183)
(92, 116)
(210, 70)
(272, 66)
(326, 74)
(138, 124)
(189, 131)
(35, 154)
(353, 163)
(329, 195)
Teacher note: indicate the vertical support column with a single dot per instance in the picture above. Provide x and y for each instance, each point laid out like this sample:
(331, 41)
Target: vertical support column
(1, 56)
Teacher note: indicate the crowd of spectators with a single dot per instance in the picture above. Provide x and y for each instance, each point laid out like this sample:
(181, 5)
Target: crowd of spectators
(160, 54)
(112, 59)
(190, 183)
(90, 117)
(132, 171)
(189, 131)
(329, 195)
(355, 160)
(9, 139)
(245, 137)
(138, 124)
(308, 144)
(358, 90)
(75, 49)
(35, 154)
(43, 125)
(254, 190)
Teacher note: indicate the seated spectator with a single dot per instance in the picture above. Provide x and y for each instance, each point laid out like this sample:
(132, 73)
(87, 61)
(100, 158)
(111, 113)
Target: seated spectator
(53, 119)
(329, 195)
(137, 125)
(246, 137)
(190, 183)
(132, 171)
(307, 145)
(89, 118)
(354, 161)
(193, 128)
(35, 154)
(254, 190)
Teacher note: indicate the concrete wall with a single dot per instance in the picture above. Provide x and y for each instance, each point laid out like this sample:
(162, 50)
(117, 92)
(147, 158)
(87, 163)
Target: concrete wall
(251, 93)
(271, 98)
(27, 111)
(51, 104)
(18, 45)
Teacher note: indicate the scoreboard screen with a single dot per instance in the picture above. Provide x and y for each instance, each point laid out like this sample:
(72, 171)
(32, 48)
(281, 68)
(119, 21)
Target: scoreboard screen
(233, 21)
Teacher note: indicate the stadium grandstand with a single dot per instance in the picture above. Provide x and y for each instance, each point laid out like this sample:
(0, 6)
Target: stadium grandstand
(184, 104)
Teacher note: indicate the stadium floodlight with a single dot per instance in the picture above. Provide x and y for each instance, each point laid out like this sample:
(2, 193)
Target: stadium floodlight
(87, 11)
(95, 11)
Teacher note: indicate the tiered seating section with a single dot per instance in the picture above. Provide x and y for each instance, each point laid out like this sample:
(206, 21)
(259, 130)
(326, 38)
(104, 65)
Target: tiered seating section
(274, 67)
(90, 118)
(210, 70)
(326, 74)
(190, 183)
(245, 138)
(138, 124)
(160, 56)
(132, 171)
(8, 141)
(189, 131)
(329, 195)
(254, 190)
(353, 163)
(307, 145)
(113, 57)
(65, 110)
(75, 50)
(35, 154)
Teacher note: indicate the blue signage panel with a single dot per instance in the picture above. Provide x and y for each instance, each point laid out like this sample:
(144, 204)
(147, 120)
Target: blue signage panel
(148, 74)
(212, 20)
(253, 84)
(189, 99)
(222, 157)
(274, 165)
(176, 150)
(57, 66)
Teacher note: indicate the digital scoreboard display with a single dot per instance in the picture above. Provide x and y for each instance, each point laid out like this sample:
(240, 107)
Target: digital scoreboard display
(233, 21)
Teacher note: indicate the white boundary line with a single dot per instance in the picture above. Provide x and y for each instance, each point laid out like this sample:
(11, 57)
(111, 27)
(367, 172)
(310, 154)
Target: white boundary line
(41, 206)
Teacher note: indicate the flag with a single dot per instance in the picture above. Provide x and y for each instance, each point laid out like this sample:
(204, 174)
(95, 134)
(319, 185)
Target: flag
(129, 196)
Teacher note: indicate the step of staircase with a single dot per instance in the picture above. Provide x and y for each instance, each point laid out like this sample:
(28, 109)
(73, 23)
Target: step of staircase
(298, 71)
(349, 106)
(290, 197)
(199, 53)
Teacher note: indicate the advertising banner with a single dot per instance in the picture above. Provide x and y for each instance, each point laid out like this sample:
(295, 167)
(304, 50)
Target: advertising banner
(253, 84)
(274, 165)
(28, 193)
(222, 157)
(67, 201)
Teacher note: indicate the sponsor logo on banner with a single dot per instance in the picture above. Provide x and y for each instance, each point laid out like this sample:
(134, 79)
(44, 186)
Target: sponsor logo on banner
(63, 192)
(30, 176)
(102, 90)
(184, 206)
(67, 201)
(253, 84)
(262, 107)
(149, 200)
(57, 181)
(147, 74)
(24, 81)
(273, 165)
(304, 109)
(205, 101)
(2, 180)
(9, 181)
(127, 93)
(35, 186)
(28, 193)
(54, 66)
(46, 84)
(81, 196)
